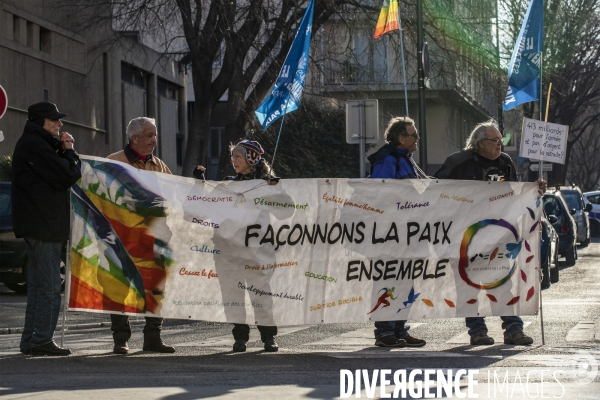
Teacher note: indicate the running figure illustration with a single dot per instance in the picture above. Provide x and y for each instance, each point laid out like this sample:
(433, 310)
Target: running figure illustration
(383, 299)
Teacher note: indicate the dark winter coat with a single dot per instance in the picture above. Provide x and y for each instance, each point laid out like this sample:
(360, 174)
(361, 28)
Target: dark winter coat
(469, 165)
(390, 162)
(43, 174)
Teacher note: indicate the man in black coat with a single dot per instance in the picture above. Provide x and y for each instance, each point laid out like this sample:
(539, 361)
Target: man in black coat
(45, 166)
(483, 160)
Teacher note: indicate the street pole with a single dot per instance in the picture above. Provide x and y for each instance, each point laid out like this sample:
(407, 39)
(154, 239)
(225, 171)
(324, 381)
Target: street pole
(362, 138)
(422, 124)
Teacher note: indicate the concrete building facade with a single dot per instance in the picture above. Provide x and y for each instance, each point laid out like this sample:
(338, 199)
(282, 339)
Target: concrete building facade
(459, 96)
(98, 84)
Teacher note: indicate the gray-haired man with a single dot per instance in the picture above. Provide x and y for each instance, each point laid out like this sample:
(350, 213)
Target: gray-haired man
(483, 160)
(142, 136)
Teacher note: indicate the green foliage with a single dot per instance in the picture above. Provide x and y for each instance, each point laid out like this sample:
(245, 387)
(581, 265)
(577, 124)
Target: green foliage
(313, 143)
(6, 168)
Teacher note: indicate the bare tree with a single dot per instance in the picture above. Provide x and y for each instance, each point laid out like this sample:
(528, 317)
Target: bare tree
(571, 61)
(237, 48)
(575, 98)
(584, 168)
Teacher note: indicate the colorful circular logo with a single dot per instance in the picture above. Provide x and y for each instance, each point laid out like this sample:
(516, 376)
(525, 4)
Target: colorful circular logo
(464, 258)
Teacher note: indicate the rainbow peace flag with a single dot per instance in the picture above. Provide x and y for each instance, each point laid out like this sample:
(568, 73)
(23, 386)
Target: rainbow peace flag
(117, 262)
(388, 18)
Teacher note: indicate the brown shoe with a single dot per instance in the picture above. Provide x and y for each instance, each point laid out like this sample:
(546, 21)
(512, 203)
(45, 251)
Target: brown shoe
(390, 341)
(413, 342)
(49, 349)
(121, 348)
(482, 340)
(158, 346)
(519, 339)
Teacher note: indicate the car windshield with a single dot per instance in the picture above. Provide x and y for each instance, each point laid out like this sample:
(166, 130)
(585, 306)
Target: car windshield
(573, 200)
(551, 206)
(5, 206)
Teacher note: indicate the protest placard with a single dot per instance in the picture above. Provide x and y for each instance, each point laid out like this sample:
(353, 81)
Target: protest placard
(544, 141)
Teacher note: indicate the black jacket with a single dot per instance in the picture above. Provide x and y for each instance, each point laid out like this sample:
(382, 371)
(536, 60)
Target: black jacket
(468, 165)
(43, 174)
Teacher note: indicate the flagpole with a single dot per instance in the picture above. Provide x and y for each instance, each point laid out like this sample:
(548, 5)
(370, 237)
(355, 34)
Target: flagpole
(540, 175)
(541, 102)
(277, 142)
(403, 62)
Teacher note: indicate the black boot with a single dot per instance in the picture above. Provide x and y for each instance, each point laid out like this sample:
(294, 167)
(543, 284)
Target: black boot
(239, 346)
(270, 344)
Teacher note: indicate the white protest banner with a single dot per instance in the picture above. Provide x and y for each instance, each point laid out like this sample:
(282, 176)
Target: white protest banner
(544, 141)
(302, 251)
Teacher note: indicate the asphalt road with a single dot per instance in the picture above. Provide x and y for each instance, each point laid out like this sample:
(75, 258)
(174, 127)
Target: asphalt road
(310, 358)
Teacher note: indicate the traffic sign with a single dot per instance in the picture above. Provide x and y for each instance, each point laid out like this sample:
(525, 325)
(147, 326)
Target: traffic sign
(3, 101)
(362, 121)
(535, 166)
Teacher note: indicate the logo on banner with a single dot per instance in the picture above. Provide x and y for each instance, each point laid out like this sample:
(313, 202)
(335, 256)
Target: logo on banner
(483, 266)
(487, 266)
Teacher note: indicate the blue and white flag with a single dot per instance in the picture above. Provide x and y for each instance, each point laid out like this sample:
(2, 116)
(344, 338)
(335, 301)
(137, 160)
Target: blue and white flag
(287, 91)
(524, 69)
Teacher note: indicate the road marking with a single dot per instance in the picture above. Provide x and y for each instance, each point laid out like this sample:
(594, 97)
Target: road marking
(494, 330)
(227, 340)
(359, 337)
(582, 332)
(387, 352)
(569, 302)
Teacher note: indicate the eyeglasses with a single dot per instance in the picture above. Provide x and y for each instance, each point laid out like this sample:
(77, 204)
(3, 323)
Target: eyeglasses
(496, 140)
(237, 157)
(416, 136)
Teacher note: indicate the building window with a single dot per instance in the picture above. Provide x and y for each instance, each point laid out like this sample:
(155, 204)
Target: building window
(166, 89)
(364, 63)
(133, 76)
(45, 40)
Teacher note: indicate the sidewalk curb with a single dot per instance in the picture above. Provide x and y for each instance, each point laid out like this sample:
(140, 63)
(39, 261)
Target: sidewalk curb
(8, 331)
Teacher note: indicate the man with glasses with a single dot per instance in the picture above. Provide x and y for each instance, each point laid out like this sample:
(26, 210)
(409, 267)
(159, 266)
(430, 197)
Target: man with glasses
(483, 160)
(44, 167)
(394, 161)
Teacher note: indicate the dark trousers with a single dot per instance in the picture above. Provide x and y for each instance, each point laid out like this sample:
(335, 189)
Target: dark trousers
(43, 292)
(122, 329)
(511, 325)
(242, 332)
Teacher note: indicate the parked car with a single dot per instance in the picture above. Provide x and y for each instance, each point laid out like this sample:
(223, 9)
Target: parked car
(593, 202)
(566, 227)
(13, 250)
(549, 252)
(574, 198)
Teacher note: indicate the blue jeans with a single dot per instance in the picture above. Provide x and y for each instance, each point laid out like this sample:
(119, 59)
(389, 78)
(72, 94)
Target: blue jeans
(386, 328)
(511, 325)
(43, 292)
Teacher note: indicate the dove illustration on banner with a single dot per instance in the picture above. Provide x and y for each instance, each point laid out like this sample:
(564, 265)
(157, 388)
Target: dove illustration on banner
(513, 249)
(412, 297)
